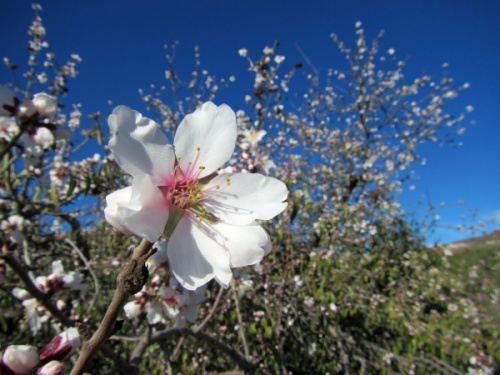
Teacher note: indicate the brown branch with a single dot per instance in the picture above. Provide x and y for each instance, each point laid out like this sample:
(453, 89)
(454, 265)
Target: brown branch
(130, 281)
(45, 300)
(200, 326)
(136, 355)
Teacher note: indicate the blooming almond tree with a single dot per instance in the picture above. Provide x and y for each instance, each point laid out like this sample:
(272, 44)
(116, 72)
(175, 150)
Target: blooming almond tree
(209, 219)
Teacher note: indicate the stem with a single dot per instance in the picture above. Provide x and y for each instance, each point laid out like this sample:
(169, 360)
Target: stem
(240, 320)
(130, 281)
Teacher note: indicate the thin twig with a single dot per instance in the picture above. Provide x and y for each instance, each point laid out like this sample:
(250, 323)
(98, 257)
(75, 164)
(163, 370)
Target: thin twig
(91, 270)
(137, 353)
(200, 326)
(240, 320)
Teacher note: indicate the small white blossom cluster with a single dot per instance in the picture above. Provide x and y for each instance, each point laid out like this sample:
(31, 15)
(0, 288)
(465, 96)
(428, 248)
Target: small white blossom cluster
(36, 313)
(162, 303)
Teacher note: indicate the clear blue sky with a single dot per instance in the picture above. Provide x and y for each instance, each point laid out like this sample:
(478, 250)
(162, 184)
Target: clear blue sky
(121, 44)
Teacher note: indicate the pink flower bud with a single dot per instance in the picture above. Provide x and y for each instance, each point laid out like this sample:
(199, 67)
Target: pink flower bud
(19, 360)
(52, 368)
(62, 346)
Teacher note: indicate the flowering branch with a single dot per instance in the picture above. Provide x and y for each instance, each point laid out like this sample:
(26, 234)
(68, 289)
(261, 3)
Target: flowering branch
(30, 286)
(130, 281)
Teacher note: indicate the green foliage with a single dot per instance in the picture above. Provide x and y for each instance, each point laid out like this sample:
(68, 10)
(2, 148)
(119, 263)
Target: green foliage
(399, 308)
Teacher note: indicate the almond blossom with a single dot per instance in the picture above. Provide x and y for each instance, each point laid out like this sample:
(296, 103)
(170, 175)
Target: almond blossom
(160, 301)
(209, 219)
(57, 280)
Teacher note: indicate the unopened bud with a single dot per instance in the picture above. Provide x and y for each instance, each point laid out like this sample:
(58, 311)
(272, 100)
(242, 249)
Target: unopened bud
(62, 346)
(19, 360)
(52, 368)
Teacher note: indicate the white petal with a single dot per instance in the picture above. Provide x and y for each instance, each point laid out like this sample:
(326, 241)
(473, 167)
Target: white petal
(139, 146)
(46, 105)
(21, 359)
(247, 244)
(132, 309)
(52, 368)
(34, 321)
(197, 254)
(21, 294)
(74, 281)
(245, 198)
(146, 213)
(212, 131)
(57, 268)
(154, 312)
(43, 137)
(159, 258)
(114, 200)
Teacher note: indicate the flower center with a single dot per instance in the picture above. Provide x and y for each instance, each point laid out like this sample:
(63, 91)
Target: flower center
(181, 191)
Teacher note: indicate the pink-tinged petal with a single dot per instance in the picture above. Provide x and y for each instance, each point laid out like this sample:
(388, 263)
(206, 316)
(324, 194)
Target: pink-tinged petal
(197, 254)
(52, 368)
(139, 146)
(206, 138)
(62, 346)
(241, 198)
(21, 359)
(247, 244)
(146, 212)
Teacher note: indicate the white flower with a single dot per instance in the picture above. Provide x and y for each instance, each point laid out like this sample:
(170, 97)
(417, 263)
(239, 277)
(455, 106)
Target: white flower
(253, 137)
(42, 104)
(20, 359)
(243, 52)
(60, 280)
(268, 50)
(208, 218)
(278, 59)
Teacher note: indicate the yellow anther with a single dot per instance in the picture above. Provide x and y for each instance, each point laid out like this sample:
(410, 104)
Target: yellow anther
(217, 187)
(198, 148)
(228, 181)
(201, 167)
